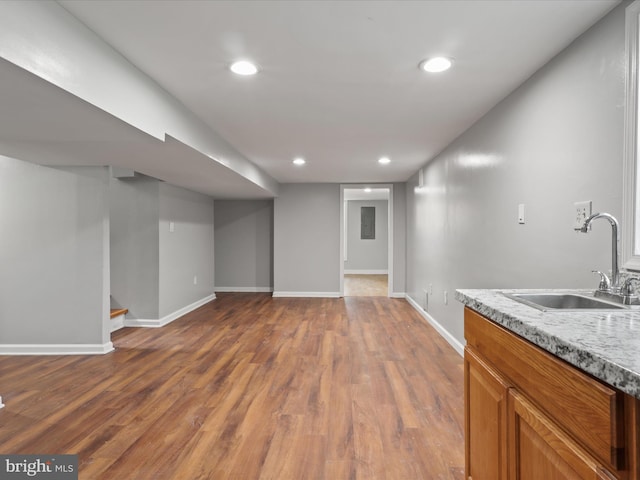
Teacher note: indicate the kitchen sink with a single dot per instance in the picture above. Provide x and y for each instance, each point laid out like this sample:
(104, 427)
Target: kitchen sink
(563, 301)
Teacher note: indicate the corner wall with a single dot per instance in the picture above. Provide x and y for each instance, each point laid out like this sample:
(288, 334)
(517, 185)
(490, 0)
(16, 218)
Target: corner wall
(556, 140)
(135, 254)
(162, 243)
(53, 250)
(244, 245)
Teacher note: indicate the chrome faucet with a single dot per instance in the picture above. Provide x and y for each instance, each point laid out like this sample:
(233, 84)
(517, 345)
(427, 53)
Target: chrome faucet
(605, 283)
(611, 289)
(614, 284)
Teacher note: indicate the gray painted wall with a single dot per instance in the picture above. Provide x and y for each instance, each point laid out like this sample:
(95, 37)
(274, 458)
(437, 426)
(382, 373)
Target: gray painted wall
(244, 245)
(53, 253)
(153, 269)
(307, 239)
(557, 139)
(186, 266)
(135, 256)
(368, 254)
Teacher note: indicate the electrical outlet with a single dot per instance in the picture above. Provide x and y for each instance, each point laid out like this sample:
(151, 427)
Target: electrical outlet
(446, 298)
(195, 280)
(426, 301)
(583, 211)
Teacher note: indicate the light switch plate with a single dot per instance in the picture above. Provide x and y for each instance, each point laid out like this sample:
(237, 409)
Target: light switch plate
(521, 213)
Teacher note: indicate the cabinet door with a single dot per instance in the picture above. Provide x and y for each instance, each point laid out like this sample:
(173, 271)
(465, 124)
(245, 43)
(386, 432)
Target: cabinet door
(539, 449)
(485, 420)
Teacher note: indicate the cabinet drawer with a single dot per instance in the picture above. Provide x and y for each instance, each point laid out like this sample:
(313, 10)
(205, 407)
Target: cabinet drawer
(583, 406)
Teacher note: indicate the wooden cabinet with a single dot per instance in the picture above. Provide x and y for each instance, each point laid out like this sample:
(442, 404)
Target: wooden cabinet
(539, 449)
(531, 416)
(486, 395)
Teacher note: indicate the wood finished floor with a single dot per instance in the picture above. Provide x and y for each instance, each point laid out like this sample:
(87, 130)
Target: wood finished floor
(359, 285)
(250, 387)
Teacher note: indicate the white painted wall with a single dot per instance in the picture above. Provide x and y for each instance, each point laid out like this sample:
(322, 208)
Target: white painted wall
(367, 255)
(53, 250)
(244, 245)
(555, 140)
(307, 240)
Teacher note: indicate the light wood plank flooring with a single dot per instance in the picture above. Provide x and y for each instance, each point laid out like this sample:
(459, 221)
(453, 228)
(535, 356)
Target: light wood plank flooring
(357, 285)
(250, 387)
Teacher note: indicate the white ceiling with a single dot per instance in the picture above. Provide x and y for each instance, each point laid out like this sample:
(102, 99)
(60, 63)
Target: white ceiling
(339, 83)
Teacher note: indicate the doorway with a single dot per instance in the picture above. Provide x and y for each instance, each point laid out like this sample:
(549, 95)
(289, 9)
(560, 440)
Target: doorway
(366, 240)
(366, 285)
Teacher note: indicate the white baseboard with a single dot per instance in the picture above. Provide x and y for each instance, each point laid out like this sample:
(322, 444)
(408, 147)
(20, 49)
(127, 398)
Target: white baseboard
(161, 322)
(57, 349)
(307, 294)
(117, 322)
(244, 289)
(398, 295)
(457, 346)
(366, 272)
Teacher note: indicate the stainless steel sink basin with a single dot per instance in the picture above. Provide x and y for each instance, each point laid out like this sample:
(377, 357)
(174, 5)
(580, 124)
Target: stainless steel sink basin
(563, 301)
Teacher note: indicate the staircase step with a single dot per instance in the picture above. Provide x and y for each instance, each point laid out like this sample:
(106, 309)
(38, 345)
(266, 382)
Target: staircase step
(118, 311)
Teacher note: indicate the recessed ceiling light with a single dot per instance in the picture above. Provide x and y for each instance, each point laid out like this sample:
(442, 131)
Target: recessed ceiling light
(368, 190)
(436, 64)
(244, 67)
(299, 161)
(384, 160)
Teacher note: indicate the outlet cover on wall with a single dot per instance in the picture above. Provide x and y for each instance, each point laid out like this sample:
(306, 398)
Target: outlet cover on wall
(426, 300)
(583, 211)
(521, 213)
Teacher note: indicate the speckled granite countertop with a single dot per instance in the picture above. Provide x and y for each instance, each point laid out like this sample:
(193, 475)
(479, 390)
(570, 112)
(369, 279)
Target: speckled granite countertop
(605, 344)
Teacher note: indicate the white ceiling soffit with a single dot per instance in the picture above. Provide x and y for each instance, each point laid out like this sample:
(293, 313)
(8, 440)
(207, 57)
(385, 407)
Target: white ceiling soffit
(339, 83)
(361, 194)
(42, 123)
